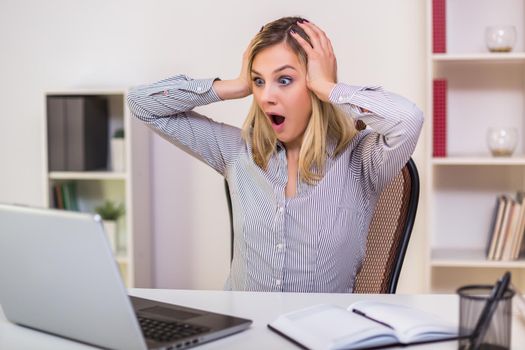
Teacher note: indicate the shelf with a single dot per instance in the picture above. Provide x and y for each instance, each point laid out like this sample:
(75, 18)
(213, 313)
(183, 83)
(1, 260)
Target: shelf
(469, 258)
(122, 259)
(487, 57)
(117, 91)
(86, 175)
(478, 161)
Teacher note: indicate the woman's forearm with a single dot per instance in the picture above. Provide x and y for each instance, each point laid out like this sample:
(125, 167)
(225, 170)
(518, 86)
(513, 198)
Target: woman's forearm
(397, 119)
(231, 89)
(170, 97)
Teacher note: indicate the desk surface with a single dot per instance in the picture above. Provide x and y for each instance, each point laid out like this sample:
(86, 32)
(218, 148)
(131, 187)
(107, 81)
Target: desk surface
(261, 308)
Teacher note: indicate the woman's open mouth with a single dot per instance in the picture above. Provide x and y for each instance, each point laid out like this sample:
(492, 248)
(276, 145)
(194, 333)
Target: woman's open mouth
(276, 119)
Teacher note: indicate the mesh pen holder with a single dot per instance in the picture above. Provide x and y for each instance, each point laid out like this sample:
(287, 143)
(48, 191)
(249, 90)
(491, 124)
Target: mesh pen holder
(472, 300)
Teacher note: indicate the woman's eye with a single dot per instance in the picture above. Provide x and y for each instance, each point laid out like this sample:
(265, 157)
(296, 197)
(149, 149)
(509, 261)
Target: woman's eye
(258, 81)
(285, 81)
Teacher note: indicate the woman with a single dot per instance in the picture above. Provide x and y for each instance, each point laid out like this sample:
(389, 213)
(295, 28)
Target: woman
(303, 181)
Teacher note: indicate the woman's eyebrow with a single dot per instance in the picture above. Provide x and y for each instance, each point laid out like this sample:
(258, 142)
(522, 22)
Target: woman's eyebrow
(284, 67)
(277, 70)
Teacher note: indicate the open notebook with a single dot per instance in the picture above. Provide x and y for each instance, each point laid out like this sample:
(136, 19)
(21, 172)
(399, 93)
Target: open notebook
(364, 325)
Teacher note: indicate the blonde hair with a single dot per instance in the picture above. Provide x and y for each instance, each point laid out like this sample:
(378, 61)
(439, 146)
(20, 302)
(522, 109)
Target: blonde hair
(326, 122)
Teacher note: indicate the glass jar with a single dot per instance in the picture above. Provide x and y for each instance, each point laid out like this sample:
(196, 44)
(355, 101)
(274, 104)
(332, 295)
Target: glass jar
(502, 141)
(500, 38)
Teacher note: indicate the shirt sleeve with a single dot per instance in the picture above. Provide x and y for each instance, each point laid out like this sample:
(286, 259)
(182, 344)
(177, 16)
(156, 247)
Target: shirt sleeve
(167, 108)
(395, 122)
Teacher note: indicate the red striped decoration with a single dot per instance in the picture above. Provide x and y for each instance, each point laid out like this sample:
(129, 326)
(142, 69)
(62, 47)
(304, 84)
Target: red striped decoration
(440, 118)
(439, 26)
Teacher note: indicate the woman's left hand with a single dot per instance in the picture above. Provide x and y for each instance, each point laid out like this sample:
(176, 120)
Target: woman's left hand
(322, 64)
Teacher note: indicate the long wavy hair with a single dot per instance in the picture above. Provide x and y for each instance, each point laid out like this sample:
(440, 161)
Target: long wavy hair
(327, 123)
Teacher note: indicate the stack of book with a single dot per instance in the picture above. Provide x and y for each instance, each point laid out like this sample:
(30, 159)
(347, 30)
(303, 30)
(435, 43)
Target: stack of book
(65, 196)
(508, 228)
(77, 133)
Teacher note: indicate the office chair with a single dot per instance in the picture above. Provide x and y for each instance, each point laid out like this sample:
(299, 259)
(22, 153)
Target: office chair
(388, 235)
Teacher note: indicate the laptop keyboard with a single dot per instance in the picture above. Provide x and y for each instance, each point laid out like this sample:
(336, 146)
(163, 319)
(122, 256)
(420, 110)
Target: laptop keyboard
(162, 331)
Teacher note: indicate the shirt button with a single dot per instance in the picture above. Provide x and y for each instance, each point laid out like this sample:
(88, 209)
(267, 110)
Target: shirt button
(277, 283)
(199, 88)
(280, 247)
(341, 98)
(165, 92)
(281, 209)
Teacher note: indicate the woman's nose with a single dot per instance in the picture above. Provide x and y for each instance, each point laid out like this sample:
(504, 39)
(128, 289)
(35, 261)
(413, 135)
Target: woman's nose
(268, 95)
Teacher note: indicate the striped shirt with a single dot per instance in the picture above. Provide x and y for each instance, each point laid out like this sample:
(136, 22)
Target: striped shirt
(316, 240)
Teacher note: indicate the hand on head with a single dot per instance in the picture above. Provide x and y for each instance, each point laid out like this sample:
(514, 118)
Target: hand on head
(244, 76)
(322, 64)
(235, 88)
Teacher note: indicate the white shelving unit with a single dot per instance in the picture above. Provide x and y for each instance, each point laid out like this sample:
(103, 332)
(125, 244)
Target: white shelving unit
(130, 187)
(484, 89)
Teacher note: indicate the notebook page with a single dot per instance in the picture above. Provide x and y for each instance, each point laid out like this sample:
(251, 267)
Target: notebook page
(410, 324)
(332, 327)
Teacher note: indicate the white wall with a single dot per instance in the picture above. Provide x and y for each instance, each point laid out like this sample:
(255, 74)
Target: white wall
(60, 44)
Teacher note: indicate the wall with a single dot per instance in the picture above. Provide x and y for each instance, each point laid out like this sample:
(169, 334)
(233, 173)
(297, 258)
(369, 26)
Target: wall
(63, 44)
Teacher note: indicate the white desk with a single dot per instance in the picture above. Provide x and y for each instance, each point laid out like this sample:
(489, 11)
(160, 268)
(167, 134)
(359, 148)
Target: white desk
(261, 308)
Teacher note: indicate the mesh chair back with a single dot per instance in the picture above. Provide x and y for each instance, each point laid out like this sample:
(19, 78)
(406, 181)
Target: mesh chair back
(389, 233)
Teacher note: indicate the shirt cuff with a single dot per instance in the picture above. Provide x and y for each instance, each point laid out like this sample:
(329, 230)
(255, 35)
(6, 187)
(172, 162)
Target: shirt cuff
(199, 91)
(343, 93)
(349, 95)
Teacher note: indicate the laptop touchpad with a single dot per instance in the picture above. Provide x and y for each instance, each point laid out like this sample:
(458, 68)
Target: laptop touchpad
(166, 312)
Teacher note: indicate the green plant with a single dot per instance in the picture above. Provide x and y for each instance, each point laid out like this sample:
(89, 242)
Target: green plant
(110, 210)
(118, 134)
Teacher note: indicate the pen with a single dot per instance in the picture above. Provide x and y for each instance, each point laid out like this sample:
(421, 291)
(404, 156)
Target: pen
(361, 313)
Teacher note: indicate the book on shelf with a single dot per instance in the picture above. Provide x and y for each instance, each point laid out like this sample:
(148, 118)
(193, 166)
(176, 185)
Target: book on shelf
(439, 26)
(56, 134)
(497, 219)
(58, 200)
(439, 134)
(512, 231)
(521, 250)
(504, 229)
(364, 324)
(507, 228)
(519, 241)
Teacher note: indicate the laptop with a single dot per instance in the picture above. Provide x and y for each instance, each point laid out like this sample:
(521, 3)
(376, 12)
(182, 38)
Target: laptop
(58, 275)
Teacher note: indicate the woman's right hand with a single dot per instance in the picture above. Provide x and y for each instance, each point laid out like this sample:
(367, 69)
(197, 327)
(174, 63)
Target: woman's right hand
(245, 76)
(239, 87)
(322, 64)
